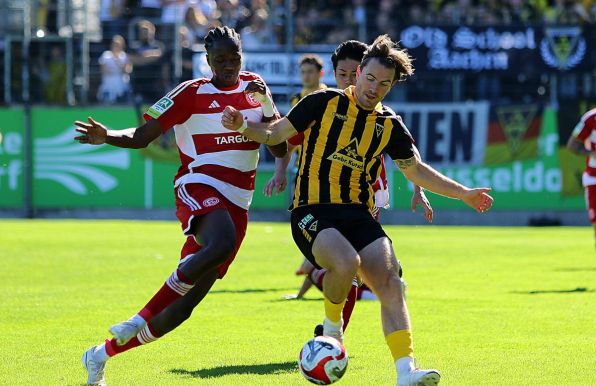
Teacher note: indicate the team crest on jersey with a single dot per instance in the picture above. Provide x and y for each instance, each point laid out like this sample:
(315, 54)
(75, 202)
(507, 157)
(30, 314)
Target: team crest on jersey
(251, 99)
(349, 156)
(379, 129)
(160, 107)
(211, 201)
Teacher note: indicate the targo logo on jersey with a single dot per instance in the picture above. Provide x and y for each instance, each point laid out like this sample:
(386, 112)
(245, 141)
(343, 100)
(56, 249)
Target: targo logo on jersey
(160, 107)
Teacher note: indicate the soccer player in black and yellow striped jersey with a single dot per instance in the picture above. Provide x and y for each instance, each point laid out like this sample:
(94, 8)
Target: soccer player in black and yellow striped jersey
(345, 133)
(311, 72)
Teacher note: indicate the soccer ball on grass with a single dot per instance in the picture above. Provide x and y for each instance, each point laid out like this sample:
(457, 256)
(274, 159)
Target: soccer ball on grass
(323, 360)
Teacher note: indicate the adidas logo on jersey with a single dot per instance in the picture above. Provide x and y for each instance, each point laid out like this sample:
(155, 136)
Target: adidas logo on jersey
(214, 105)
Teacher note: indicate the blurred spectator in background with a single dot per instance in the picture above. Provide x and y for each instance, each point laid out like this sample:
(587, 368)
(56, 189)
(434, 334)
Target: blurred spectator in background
(256, 34)
(233, 14)
(197, 24)
(571, 12)
(208, 8)
(174, 11)
(311, 72)
(115, 71)
(187, 55)
(55, 86)
(110, 14)
(146, 56)
(149, 9)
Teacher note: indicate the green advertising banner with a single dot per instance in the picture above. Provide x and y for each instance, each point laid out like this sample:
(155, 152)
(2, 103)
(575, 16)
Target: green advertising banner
(11, 158)
(70, 175)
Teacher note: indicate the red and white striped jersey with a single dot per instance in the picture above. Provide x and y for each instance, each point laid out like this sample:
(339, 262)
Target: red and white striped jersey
(585, 131)
(211, 154)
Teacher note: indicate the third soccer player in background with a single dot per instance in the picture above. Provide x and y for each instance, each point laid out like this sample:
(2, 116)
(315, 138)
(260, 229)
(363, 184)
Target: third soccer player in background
(583, 142)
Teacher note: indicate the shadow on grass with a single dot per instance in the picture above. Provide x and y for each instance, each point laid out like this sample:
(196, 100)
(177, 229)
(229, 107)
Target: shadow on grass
(250, 290)
(576, 269)
(566, 291)
(220, 371)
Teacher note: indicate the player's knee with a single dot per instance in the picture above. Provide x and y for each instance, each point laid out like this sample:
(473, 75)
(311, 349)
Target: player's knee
(182, 312)
(221, 249)
(389, 284)
(348, 265)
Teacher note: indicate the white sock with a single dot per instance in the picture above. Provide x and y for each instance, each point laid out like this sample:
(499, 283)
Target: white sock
(100, 354)
(138, 320)
(405, 365)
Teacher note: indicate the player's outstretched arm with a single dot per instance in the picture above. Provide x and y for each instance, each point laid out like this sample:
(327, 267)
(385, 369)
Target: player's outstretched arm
(279, 181)
(269, 133)
(425, 176)
(419, 198)
(576, 146)
(95, 133)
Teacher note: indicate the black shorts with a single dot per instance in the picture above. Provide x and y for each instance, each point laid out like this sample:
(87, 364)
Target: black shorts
(354, 222)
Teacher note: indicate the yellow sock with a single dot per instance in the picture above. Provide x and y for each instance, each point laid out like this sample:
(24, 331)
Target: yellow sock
(333, 311)
(400, 344)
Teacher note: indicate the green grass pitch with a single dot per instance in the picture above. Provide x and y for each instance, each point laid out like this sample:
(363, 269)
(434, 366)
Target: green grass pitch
(489, 306)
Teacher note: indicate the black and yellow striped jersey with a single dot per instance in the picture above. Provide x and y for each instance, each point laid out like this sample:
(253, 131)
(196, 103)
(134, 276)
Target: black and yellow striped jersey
(295, 99)
(298, 96)
(342, 147)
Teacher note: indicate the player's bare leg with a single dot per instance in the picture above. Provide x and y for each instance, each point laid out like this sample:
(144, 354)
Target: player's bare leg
(380, 270)
(175, 314)
(215, 231)
(179, 311)
(334, 253)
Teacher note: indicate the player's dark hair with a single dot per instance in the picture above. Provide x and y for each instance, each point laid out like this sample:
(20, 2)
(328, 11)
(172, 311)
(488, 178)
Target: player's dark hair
(350, 49)
(313, 59)
(220, 34)
(390, 55)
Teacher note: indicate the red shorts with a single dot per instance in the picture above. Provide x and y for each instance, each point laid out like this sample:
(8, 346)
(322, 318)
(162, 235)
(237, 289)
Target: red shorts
(196, 200)
(591, 202)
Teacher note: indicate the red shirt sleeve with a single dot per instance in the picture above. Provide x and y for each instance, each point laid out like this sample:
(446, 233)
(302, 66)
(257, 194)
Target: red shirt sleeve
(382, 177)
(297, 139)
(584, 128)
(174, 108)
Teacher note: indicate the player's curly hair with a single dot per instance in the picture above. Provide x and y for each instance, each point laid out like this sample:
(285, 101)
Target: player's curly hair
(313, 59)
(350, 49)
(388, 53)
(222, 33)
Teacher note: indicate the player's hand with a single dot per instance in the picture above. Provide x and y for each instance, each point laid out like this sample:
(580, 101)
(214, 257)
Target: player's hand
(93, 133)
(231, 118)
(478, 199)
(277, 183)
(419, 198)
(257, 89)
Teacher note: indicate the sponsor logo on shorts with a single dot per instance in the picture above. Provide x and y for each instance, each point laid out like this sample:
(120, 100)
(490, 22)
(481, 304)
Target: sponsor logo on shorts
(306, 235)
(305, 220)
(313, 226)
(160, 107)
(211, 201)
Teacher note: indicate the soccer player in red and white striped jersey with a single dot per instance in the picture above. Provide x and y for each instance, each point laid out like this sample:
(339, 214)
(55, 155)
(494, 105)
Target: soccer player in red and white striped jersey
(583, 142)
(213, 187)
